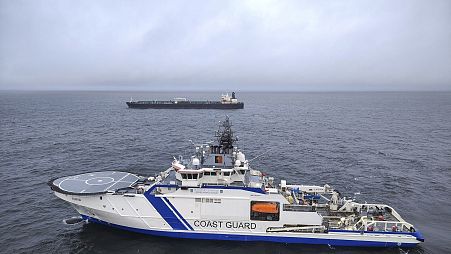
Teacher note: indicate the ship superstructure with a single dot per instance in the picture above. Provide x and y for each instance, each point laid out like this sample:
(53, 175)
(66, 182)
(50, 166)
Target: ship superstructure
(215, 194)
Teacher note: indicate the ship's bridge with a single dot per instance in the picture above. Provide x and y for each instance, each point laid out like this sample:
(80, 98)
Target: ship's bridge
(219, 164)
(213, 176)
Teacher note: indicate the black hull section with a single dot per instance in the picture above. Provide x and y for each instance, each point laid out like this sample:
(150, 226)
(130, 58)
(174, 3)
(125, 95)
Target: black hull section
(185, 105)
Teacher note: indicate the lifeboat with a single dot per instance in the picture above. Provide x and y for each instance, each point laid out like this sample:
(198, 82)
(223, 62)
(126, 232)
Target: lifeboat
(265, 207)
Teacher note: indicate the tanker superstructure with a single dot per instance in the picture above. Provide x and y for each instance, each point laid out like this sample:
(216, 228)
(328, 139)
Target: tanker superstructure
(216, 194)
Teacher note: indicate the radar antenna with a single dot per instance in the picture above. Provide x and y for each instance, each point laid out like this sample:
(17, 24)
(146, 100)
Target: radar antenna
(225, 135)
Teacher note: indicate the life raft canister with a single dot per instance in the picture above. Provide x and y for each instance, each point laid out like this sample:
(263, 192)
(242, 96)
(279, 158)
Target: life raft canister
(265, 207)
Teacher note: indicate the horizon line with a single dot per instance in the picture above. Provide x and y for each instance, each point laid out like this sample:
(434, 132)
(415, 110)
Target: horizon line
(216, 90)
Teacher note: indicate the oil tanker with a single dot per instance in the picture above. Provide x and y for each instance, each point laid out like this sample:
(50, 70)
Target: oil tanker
(226, 102)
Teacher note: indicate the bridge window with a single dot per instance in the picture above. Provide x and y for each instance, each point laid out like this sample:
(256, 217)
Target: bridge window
(226, 173)
(184, 176)
(265, 211)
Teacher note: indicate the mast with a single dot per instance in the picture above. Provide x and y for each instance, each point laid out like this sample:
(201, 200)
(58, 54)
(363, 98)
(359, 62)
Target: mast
(225, 136)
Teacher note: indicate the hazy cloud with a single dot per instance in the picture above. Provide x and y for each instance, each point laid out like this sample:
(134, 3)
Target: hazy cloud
(265, 45)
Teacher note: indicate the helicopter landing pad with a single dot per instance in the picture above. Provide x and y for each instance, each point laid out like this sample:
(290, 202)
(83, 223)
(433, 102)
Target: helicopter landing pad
(94, 183)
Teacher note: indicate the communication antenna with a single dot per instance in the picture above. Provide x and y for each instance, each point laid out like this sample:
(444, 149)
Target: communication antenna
(259, 155)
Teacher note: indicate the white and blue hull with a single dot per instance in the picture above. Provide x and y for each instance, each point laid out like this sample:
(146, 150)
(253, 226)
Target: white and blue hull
(333, 238)
(216, 195)
(153, 215)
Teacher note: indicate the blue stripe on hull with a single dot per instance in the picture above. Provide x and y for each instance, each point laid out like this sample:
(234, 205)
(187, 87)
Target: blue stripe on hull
(165, 212)
(251, 189)
(230, 237)
(177, 212)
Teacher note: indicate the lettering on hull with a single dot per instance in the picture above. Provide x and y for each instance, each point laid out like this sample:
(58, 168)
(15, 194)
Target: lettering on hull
(224, 224)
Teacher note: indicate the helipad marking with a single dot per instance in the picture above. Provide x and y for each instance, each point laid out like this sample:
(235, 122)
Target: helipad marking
(118, 181)
(93, 183)
(99, 180)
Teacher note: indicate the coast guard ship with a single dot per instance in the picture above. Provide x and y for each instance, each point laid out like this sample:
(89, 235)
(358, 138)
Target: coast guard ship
(215, 194)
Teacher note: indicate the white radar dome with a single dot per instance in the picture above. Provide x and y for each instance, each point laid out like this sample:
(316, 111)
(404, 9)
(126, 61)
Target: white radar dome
(196, 162)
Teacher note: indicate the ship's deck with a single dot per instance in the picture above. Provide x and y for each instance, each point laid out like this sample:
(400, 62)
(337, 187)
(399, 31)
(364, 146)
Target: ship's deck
(93, 183)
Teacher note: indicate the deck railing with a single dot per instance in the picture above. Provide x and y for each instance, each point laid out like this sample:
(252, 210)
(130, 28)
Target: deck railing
(367, 224)
(389, 226)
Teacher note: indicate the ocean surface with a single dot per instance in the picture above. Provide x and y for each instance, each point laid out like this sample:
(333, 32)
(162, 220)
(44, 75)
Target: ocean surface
(388, 147)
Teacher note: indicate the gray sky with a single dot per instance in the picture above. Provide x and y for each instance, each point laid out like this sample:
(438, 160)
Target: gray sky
(223, 45)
